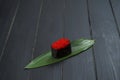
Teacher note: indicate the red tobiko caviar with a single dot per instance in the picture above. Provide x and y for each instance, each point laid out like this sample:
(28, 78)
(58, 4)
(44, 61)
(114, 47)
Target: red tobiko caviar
(61, 48)
(61, 43)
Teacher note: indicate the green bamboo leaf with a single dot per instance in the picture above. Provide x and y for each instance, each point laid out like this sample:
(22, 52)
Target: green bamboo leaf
(78, 46)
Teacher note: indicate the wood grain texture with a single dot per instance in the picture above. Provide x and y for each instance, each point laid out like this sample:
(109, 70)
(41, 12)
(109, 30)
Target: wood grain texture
(28, 27)
(18, 50)
(8, 11)
(115, 7)
(107, 47)
(77, 26)
(50, 29)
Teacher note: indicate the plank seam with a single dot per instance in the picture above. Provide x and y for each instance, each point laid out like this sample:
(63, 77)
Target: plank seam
(37, 27)
(64, 18)
(91, 34)
(117, 27)
(63, 33)
(10, 29)
(36, 34)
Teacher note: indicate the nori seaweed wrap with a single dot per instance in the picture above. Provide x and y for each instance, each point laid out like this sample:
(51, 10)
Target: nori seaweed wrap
(61, 48)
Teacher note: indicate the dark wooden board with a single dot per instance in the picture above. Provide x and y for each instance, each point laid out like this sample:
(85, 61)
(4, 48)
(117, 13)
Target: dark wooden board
(80, 67)
(107, 46)
(115, 7)
(28, 27)
(18, 50)
(50, 29)
(8, 9)
(1, 1)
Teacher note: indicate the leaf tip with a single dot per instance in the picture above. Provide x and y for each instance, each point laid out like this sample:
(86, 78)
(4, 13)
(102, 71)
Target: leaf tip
(27, 67)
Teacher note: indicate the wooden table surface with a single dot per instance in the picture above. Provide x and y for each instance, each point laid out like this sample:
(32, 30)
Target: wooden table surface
(28, 27)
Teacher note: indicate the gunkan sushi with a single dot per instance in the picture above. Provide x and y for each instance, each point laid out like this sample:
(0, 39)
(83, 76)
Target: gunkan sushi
(61, 48)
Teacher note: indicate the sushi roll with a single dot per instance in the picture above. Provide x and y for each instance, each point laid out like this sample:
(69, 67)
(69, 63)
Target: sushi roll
(61, 48)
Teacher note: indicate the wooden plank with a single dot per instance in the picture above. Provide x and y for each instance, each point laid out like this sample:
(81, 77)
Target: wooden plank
(8, 9)
(1, 1)
(107, 46)
(80, 67)
(115, 5)
(50, 29)
(18, 50)
(114, 8)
